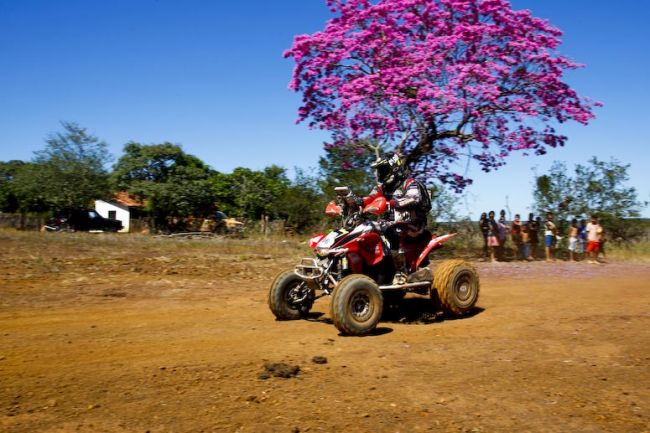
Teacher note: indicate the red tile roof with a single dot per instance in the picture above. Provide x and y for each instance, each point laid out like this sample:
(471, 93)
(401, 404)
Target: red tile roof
(126, 199)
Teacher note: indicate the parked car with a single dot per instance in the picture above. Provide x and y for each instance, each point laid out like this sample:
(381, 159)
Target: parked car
(82, 220)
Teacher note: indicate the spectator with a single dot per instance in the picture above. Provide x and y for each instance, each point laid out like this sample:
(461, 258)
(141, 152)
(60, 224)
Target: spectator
(525, 243)
(549, 236)
(493, 236)
(533, 234)
(573, 239)
(594, 234)
(601, 243)
(515, 233)
(484, 226)
(503, 233)
(582, 238)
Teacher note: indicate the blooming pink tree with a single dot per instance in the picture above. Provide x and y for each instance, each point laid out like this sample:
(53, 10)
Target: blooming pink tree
(437, 80)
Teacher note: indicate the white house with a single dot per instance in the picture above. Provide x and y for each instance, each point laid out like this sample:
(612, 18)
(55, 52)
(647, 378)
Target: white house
(114, 211)
(119, 208)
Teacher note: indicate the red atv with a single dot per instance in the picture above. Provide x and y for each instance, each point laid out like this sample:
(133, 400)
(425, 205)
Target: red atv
(355, 265)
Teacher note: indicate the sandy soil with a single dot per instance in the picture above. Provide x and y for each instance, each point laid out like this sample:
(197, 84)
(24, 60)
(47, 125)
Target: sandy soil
(113, 334)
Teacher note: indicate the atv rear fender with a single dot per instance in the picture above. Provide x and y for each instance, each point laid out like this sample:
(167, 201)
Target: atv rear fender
(433, 243)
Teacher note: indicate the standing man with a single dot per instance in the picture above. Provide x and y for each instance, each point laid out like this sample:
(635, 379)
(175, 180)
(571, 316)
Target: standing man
(493, 236)
(515, 233)
(582, 238)
(594, 233)
(533, 235)
(573, 239)
(549, 236)
(503, 234)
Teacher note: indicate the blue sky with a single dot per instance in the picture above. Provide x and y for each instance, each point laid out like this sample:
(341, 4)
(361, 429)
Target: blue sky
(210, 76)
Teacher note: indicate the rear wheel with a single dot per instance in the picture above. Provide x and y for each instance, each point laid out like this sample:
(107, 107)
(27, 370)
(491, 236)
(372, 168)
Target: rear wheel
(357, 305)
(290, 297)
(457, 285)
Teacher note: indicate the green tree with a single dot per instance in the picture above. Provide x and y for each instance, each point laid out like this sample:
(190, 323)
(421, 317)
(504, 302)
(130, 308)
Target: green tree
(171, 182)
(68, 173)
(8, 198)
(26, 187)
(602, 186)
(256, 194)
(225, 194)
(251, 194)
(601, 189)
(553, 192)
(596, 188)
(348, 165)
(443, 205)
(302, 204)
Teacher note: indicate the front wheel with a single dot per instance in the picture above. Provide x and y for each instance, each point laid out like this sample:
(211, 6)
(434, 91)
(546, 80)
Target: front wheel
(290, 297)
(457, 285)
(357, 305)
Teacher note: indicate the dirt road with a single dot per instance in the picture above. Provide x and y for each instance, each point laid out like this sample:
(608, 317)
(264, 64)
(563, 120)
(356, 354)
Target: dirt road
(113, 334)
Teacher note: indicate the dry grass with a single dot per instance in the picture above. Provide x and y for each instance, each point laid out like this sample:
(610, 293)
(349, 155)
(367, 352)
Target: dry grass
(96, 244)
(639, 250)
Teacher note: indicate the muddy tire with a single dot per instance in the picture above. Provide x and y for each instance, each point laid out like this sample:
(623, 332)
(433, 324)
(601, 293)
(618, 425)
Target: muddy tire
(356, 305)
(456, 285)
(281, 293)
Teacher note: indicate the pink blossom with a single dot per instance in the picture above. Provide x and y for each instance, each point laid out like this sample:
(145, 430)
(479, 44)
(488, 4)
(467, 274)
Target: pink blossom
(445, 74)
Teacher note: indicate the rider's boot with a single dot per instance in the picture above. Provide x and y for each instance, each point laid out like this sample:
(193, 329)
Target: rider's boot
(422, 274)
(399, 260)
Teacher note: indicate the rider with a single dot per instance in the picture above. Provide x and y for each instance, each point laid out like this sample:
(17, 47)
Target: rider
(409, 202)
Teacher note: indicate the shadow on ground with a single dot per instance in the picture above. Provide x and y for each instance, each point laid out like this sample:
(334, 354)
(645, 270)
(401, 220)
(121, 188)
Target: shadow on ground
(420, 311)
(415, 311)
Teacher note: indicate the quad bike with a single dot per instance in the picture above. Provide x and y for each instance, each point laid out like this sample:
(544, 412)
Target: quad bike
(356, 267)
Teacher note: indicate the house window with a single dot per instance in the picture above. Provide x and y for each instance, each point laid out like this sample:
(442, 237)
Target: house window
(112, 214)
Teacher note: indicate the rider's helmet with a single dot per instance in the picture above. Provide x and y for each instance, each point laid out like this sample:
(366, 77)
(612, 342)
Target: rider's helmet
(391, 171)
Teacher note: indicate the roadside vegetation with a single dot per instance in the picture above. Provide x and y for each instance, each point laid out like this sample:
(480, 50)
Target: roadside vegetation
(72, 170)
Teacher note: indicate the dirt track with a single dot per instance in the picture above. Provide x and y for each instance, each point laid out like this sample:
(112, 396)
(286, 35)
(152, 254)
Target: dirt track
(99, 333)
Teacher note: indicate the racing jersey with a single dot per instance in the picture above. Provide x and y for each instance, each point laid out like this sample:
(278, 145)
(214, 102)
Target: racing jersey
(410, 202)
